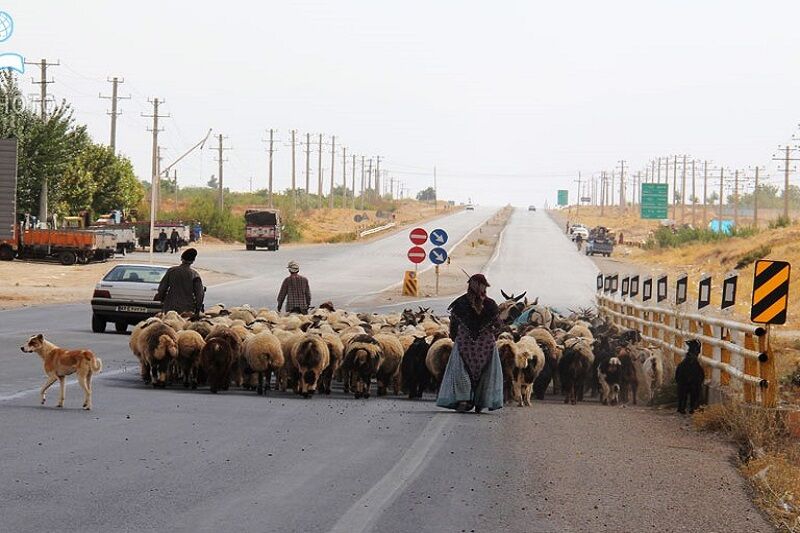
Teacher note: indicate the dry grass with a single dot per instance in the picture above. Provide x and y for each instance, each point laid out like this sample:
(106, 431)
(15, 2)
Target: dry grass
(769, 457)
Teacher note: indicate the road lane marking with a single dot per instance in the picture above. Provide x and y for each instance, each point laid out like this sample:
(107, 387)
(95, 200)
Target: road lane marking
(71, 381)
(367, 510)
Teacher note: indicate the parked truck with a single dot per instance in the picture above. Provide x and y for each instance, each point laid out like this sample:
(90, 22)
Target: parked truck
(262, 228)
(125, 233)
(143, 233)
(600, 241)
(22, 240)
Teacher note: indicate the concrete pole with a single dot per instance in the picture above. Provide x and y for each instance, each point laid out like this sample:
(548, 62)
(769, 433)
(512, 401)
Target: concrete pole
(755, 202)
(271, 141)
(319, 175)
(333, 166)
(308, 168)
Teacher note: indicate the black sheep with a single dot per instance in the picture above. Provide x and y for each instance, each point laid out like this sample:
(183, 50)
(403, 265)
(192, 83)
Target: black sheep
(416, 376)
(689, 376)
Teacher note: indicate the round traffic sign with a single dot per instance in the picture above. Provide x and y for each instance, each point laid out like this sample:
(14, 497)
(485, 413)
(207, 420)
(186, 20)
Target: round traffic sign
(419, 236)
(416, 254)
(438, 237)
(438, 256)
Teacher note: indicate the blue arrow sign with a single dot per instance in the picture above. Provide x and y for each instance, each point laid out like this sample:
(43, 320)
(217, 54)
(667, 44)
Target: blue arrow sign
(438, 256)
(438, 237)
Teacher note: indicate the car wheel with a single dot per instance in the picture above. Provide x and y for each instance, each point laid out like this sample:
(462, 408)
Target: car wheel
(250, 246)
(98, 324)
(67, 258)
(120, 327)
(6, 253)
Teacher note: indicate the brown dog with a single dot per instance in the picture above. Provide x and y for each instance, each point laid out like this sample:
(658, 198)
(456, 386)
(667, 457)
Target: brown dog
(60, 363)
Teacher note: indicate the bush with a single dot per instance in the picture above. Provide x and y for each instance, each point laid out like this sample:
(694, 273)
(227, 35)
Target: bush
(753, 255)
(222, 225)
(780, 222)
(667, 238)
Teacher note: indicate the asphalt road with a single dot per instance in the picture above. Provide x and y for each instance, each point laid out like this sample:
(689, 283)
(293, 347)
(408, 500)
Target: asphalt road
(157, 460)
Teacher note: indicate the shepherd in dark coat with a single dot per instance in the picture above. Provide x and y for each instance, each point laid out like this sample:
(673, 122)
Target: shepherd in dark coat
(473, 377)
(181, 288)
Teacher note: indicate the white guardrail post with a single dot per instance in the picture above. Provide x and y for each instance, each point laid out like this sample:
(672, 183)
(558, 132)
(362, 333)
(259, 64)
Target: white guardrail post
(376, 230)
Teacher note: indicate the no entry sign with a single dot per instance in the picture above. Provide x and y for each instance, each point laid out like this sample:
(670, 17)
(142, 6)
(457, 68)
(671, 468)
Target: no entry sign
(417, 254)
(418, 236)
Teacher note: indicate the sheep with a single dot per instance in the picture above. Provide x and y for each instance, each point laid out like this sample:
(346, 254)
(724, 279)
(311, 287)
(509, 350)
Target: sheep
(310, 356)
(263, 355)
(242, 313)
(581, 329)
(336, 351)
(690, 376)
(287, 339)
(552, 353)
(217, 357)
(173, 320)
(510, 361)
(363, 356)
(608, 375)
(629, 380)
(525, 375)
(203, 327)
(388, 371)
(133, 343)
(158, 346)
(415, 376)
(573, 367)
(190, 344)
(437, 358)
(654, 374)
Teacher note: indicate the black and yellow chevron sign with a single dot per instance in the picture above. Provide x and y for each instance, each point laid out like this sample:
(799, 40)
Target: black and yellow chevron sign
(770, 292)
(410, 284)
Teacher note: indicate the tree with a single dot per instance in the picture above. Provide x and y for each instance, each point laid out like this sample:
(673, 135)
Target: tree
(427, 195)
(712, 198)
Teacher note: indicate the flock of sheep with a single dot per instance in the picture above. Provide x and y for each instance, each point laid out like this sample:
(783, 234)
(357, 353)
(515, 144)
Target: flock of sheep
(400, 352)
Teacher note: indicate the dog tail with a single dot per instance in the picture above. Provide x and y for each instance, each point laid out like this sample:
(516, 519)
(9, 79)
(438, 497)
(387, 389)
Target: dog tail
(95, 363)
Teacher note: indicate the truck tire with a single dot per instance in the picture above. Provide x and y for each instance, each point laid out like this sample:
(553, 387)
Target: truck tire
(120, 327)
(98, 324)
(67, 258)
(250, 246)
(6, 253)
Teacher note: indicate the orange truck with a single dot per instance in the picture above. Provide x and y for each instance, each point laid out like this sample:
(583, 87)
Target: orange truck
(69, 246)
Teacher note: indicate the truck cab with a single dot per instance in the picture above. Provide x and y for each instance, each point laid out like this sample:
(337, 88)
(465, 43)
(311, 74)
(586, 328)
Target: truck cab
(262, 229)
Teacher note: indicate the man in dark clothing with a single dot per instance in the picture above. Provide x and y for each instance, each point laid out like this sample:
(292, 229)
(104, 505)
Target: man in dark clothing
(295, 291)
(181, 288)
(173, 241)
(162, 241)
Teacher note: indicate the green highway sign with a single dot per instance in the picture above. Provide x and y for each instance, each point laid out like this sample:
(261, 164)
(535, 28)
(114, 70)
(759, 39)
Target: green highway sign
(655, 201)
(563, 197)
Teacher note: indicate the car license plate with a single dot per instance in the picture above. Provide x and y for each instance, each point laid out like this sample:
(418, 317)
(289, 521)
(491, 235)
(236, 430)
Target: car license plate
(131, 309)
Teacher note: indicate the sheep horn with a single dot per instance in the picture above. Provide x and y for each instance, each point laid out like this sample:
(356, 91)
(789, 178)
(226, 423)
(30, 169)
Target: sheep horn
(506, 296)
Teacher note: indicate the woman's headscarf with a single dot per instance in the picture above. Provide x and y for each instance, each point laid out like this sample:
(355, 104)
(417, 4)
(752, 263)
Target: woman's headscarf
(476, 291)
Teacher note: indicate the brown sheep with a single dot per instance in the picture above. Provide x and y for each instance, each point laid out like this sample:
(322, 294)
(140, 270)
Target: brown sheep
(389, 370)
(336, 351)
(190, 344)
(217, 357)
(263, 355)
(310, 356)
(524, 375)
(438, 356)
(158, 346)
(510, 362)
(362, 358)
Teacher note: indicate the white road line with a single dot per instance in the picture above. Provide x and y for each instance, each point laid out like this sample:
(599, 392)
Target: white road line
(368, 509)
(498, 246)
(71, 381)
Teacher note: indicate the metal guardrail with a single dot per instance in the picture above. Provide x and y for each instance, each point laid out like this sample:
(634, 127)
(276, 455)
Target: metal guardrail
(372, 231)
(736, 356)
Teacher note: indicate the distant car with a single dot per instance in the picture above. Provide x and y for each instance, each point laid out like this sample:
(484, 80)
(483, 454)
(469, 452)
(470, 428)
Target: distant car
(126, 296)
(531, 208)
(579, 230)
(469, 207)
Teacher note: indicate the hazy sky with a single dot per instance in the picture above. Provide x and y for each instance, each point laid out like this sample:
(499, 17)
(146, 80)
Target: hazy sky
(508, 99)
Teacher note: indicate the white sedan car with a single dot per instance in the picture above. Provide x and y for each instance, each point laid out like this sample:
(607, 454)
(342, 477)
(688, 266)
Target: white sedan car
(126, 296)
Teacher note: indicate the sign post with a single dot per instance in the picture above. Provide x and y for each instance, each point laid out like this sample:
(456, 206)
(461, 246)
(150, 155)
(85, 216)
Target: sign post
(437, 257)
(654, 204)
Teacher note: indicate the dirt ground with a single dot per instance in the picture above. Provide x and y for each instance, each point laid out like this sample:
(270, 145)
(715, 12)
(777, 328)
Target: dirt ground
(471, 255)
(27, 283)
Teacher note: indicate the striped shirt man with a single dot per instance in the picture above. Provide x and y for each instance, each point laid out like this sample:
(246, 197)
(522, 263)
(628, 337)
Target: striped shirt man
(296, 293)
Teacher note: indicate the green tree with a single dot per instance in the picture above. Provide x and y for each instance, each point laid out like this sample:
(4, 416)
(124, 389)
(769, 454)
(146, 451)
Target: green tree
(427, 195)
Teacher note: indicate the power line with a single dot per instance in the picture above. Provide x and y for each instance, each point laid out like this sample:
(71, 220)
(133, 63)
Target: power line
(114, 113)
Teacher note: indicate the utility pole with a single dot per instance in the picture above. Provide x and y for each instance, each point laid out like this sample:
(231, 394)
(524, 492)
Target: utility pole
(693, 199)
(353, 178)
(721, 193)
(611, 190)
(705, 193)
(294, 167)
(578, 198)
(114, 113)
(659, 170)
(786, 169)
(435, 189)
(155, 181)
(251, 184)
(308, 167)
(319, 175)
(362, 182)
(683, 190)
(344, 177)
(175, 184)
(378, 175)
(736, 200)
(602, 193)
(271, 150)
(675, 189)
(755, 202)
(42, 83)
(333, 166)
(622, 202)
(220, 160)
(369, 180)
